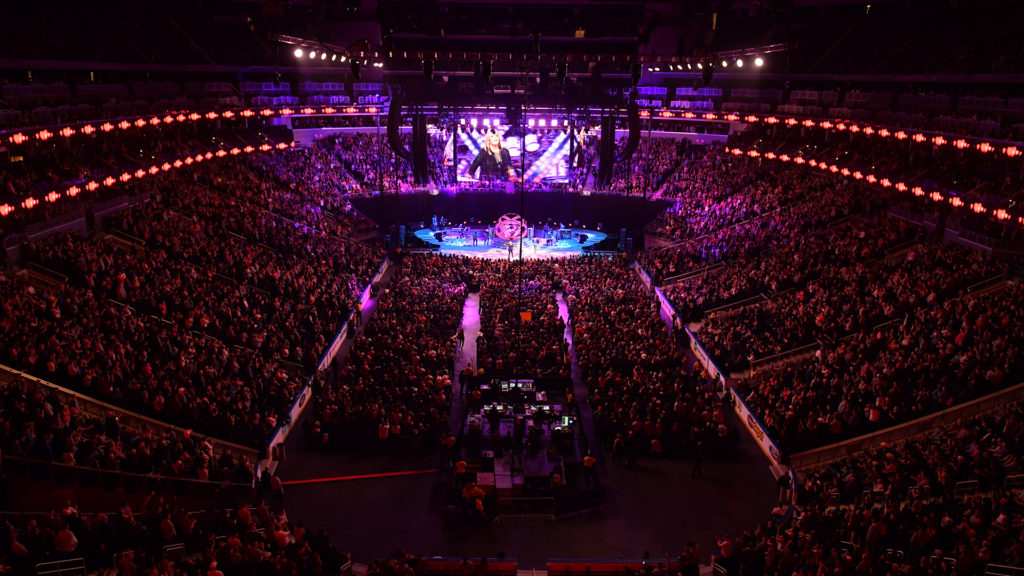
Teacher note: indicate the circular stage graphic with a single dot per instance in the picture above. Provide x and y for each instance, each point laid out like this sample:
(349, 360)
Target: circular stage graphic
(510, 227)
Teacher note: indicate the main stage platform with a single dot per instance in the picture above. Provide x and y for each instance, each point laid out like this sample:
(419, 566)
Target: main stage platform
(548, 244)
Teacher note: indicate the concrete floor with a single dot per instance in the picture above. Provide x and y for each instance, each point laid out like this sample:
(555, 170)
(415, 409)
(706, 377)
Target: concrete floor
(655, 507)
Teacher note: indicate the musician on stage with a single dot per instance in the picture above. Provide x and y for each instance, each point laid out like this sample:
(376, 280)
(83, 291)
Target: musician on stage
(493, 160)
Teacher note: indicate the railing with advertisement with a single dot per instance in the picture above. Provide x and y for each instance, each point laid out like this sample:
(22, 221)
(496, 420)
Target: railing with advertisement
(644, 276)
(750, 421)
(666, 306)
(281, 433)
(705, 359)
(757, 431)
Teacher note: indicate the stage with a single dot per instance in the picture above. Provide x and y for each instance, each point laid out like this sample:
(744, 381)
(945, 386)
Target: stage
(477, 243)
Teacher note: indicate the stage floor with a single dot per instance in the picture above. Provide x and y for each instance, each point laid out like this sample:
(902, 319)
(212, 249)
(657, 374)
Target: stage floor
(496, 249)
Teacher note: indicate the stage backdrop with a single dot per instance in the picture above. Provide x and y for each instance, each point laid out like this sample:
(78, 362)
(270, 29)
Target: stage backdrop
(612, 211)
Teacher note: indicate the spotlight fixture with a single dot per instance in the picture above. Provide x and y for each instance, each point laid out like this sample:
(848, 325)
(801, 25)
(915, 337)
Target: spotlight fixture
(312, 54)
(739, 62)
(343, 58)
(689, 66)
(334, 57)
(700, 66)
(323, 55)
(298, 52)
(725, 64)
(758, 61)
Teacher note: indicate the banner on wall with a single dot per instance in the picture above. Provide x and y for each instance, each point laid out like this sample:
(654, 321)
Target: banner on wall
(756, 429)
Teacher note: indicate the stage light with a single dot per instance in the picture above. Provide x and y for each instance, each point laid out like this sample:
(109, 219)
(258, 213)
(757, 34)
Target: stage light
(532, 144)
(543, 122)
(323, 55)
(298, 52)
(689, 66)
(472, 122)
(650, 69)
(700, 66)
(739, 63)
(758, 61)
(530, 122)
(725, 64)
(343, 58)
(657, 69)
(487, 121)
(334, 57)
(312, 54)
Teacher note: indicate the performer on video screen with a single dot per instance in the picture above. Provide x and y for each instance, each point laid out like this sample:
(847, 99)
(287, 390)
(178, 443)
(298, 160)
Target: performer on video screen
(494, 160)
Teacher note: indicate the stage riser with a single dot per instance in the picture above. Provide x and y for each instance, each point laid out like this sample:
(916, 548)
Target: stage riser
(613, 212)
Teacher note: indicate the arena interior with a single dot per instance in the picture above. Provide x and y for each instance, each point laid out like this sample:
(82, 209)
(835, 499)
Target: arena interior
(519, 288)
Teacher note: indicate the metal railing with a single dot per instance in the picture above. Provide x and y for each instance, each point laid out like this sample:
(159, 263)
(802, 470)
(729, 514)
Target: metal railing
(61, 567)
(50, 274)
(736, 306)
(906, 431)
(60, 473)
(781, 357)
(127, 418)
(692, 274)
(987, 283)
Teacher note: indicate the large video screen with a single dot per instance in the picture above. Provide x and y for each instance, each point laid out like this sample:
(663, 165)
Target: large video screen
(483, 152)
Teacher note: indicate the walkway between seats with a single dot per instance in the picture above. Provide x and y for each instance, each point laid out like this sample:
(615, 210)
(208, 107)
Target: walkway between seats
(579, 390)
(467, 355)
